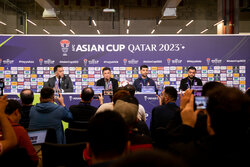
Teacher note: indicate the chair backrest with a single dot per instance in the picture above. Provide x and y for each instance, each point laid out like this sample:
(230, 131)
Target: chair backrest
(67, 155)
(76, 135)
(79, 124)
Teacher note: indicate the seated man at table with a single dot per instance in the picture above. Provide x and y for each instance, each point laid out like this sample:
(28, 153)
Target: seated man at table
(108, 82)
(60, 81)
(49, 115)
(143, 80)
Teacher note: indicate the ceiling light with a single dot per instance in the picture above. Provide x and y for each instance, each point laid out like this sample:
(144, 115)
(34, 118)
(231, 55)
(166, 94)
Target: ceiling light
(127, 31)
(152, 31)
(128, 24)
(63, 23)
(3, 23)
(204, 31)
(159, 22)
(179, 31)
(31, 22)
(94, 22)
(19, 31)
(46, 31)
(98, 31)
(72, 31)
(108, 10)
(218, 22)
(189, 23)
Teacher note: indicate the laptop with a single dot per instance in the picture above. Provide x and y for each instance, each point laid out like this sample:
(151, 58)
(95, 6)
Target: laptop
(37, 137)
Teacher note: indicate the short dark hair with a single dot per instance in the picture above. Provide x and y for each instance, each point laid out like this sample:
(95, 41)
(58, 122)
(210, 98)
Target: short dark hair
(106, 68)
(143, 66)
(248, 92)
(208, 86)
(228, 109)
(56, 67)
(171, 91)
(108, 134)
(87, 94)
(191, 68)
(12, 106)
(131, 89)
(46, 93)
(28, 97)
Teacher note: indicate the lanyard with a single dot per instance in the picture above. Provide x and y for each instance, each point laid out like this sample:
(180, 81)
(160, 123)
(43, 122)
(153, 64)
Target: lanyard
(108, 85)
(146, 83)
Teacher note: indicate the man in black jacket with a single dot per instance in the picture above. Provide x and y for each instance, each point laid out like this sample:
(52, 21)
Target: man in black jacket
(84, 111)
(108, 82)
(143, 80)
(191, 80)
(60, 81)
(168, 113)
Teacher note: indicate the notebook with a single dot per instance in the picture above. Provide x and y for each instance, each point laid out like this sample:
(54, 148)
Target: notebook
(37, 136)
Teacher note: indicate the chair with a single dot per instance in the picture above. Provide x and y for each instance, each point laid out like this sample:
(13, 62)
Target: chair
(67, 155)
(76, 135)
(79, 124)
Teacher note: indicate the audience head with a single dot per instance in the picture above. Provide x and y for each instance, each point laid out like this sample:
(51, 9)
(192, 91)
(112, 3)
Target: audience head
(169, 94)
(13, 110)
(27, 96)
(191, 72)
(208, 86)
(128, 108)
(108, 135)
(150, 158)
(120, 93)
(46, 94)
(228, 110)
(87, 94)
(248, 92)
(131, 89)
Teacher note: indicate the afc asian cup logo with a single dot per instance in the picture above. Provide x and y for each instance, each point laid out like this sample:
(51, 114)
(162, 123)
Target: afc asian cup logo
(65, 46)
(41, 61)
(125, 61)
(1, 60)
(168, 61)
(208, 61)
(85, 61)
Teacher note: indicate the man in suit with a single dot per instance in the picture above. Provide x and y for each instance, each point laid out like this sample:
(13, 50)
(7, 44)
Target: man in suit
(191, 80)
(108, 82)
(167, 113)
(60, 81)
(143, 80)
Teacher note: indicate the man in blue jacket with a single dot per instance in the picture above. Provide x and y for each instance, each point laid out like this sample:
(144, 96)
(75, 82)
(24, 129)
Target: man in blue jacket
(143, 80)
(47, 114)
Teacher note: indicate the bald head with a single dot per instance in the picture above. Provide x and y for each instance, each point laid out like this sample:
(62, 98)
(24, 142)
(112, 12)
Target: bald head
(27, 96)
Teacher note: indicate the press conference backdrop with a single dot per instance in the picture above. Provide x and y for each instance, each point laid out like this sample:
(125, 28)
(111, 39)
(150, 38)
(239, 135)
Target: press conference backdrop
(28, 61)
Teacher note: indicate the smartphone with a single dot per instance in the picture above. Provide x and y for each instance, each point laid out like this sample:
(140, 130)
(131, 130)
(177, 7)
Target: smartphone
(200, 102)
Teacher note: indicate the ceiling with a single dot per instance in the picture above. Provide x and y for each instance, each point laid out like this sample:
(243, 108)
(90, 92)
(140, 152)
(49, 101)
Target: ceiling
(144, 16)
